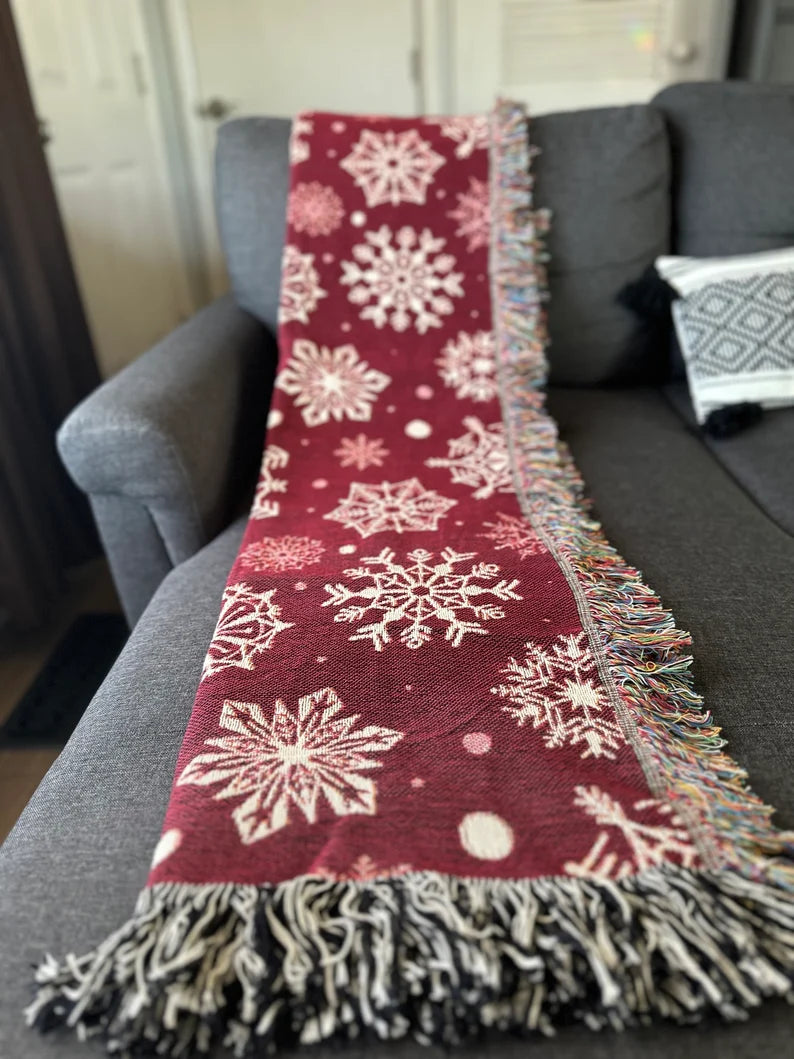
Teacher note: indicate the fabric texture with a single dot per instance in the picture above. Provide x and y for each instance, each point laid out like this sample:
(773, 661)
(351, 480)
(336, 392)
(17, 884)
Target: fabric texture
(172, 441)
(735, 327)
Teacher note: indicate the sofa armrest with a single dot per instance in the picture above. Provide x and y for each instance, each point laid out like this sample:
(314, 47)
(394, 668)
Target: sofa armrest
(168, 449)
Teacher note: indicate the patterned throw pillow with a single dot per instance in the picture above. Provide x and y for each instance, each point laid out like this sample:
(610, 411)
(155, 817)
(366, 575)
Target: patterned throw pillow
(735, 326)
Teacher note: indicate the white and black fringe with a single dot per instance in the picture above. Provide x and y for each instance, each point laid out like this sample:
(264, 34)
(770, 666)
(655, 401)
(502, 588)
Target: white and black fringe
(427, 955)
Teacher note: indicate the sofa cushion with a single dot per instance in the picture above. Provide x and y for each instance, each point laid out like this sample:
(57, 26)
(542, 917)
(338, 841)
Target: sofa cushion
(603, 173)
(733, 159)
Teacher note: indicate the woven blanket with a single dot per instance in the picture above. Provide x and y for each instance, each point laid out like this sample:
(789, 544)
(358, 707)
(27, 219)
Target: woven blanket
(446, 769)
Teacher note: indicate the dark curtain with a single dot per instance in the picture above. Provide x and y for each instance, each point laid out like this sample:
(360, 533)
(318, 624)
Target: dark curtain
(46, 363)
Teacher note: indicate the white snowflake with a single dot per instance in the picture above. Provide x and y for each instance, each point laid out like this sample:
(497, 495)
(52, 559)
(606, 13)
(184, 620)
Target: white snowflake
(275, 458)
(648, 844)
(557, 689)
(419, 595)
(510, 531)
(277, 554)
(405, 278)
(479, 459)
(249, 622)
(315, 209)
(392, 167)
(399, 507)
(364, 869)
(470, 132)
(330, 383)
(298, 147)
(473, 214)
(361, 452)
(300, 286)
(468, 365)
(287, 760)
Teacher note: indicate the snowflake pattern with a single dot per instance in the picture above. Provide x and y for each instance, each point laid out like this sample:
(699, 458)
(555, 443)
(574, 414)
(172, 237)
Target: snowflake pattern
(315, 209)
(330, 383)
(557, 689)
(473, 214)
(361, 452)
(300, 286)
(299, 150)
(364, 869)
(470, 132)
(510, 531)
(290, 759)
(275, 458)
(420, 595)
(467, 364)
(404, 277)
(647, 845)
(400, 507)
(479, 459)
(276, 554)
(249, 622)
(392, 167)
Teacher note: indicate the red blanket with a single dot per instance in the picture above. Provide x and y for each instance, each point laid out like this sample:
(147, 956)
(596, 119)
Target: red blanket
(445, 769)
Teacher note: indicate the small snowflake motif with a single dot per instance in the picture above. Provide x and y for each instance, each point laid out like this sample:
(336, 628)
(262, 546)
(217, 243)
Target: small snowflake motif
(276, 554)
(330, 383)
(300, 287)
(288, 760)
(468, 365)
(470, 133)
(510, 531)
(473, 214)
(647, 845)
(392, 167)
(248, 624)
(419, 595)
(275, 458)
(479, 459)
(315, 209)
(399, 507)
(298, 147)
(556, 688)
(364, 869)
(404, 276)
(361, 452)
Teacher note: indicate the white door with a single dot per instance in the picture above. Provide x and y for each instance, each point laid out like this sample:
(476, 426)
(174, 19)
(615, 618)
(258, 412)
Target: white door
(566, 54)
(89, 71)
(277, 57)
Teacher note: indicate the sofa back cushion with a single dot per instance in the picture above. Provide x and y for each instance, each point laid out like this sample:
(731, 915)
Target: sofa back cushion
(603, 173)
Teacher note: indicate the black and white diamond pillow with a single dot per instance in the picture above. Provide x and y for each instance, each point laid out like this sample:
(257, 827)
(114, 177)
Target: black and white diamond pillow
(735, 326)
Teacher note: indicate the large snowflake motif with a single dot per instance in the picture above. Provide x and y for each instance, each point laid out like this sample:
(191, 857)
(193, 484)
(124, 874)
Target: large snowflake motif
(275, 458)
(648, 844)
(468, 365)
(298, 147)
(300, 286)
(249, 622)
(361, 452)
(290, 760)
(400, 507)
(392, 167)
(364, 869)
(479, 459)
(473, 214)
(470, 133)
(330, 383)
(315, 209)
(557, 689)
(405, 278)
(510, 531)
(277, 554)
(420, 595)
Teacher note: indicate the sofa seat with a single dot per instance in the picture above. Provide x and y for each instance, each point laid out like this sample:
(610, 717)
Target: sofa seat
(71, 869)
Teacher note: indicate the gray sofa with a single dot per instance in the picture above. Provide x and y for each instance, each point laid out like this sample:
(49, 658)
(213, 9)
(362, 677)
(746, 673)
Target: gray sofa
(167, 452)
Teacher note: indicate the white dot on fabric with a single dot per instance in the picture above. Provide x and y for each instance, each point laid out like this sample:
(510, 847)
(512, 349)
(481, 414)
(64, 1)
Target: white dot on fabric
(275, 418)
(424, 392)
(441, 194)
(477, 742)
(169, 843)
(304, 441)
(418, 429)
(319, 483)
(332, 154)
(417, 782)
(474, 314)
(358, 218)
(300, 586)
(328, 258)
(338, 126)
(486, 836)
(346, 325)
(347, 549)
